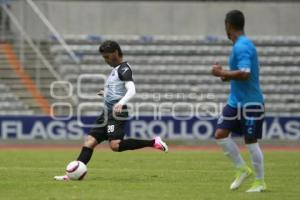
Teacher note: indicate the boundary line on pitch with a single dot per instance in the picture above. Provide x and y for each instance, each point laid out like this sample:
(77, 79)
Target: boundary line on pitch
(104, 147)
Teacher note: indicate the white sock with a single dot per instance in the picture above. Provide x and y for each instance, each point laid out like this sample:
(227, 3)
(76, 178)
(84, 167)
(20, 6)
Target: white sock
(257, 160)
(231, 150)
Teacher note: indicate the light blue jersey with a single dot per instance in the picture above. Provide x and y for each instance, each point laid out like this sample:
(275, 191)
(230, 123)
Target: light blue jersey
(244, 57)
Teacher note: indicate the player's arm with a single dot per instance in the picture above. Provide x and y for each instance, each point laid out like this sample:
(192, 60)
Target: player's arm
(243, 57)
(125, 74)
(227, 75)
(129, 94)
(236, 75)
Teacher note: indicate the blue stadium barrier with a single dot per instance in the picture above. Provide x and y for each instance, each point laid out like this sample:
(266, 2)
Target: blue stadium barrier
(43, 127)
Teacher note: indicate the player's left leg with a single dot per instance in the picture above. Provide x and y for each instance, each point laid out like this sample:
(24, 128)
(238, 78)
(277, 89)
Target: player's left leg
(257, 159)
(87, 149)
(95, 136)
(84, 156)
(252, 128)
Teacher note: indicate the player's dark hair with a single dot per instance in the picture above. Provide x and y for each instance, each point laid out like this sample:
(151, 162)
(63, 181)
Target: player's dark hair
(110, 46)
(236, 19)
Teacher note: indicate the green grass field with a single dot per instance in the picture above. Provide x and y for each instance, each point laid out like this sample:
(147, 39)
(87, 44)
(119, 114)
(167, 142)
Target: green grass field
(182, 175)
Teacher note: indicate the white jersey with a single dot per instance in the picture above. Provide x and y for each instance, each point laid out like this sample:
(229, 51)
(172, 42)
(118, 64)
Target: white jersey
(115, 84)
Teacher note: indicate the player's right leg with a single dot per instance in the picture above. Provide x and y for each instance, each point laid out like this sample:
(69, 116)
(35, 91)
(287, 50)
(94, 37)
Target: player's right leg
(115, 133)
(231, 150)
(159, 144)
(120, 145)
(227, 122)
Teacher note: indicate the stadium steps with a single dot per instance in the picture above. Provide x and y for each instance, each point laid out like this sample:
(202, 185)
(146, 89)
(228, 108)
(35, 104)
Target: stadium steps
(168, 65)
(182, 64)
(9, 78)
(35, 69)
(42, 76)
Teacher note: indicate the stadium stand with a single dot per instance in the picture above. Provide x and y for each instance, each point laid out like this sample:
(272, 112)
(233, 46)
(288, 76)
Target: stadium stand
(180, 65)
(10, 104)
(166, 69)
(19, 64)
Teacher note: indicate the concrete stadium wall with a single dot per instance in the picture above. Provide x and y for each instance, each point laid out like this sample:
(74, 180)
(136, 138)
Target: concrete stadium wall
(163, 18)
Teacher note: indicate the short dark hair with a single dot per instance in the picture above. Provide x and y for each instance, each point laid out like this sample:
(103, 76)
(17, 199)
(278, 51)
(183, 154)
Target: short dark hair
(236, 19)
(110, 46)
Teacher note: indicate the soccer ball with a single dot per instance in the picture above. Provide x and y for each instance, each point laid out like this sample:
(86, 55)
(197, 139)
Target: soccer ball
(76, 170)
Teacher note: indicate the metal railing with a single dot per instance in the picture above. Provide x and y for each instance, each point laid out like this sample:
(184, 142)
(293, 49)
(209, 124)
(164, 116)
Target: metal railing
(55, 33)
(19, 27)
(35, 46)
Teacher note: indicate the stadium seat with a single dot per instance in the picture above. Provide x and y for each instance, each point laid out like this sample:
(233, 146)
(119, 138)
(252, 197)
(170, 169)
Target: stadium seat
(182, 64)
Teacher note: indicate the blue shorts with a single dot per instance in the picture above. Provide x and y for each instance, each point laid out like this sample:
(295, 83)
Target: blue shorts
(247, 121)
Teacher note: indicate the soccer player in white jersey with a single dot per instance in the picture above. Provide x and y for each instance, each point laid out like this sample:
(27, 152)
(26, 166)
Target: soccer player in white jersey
(244, 112)
(119, 89)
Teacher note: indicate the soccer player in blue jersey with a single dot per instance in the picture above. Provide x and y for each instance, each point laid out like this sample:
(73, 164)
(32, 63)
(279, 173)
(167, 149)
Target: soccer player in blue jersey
(244, 112)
